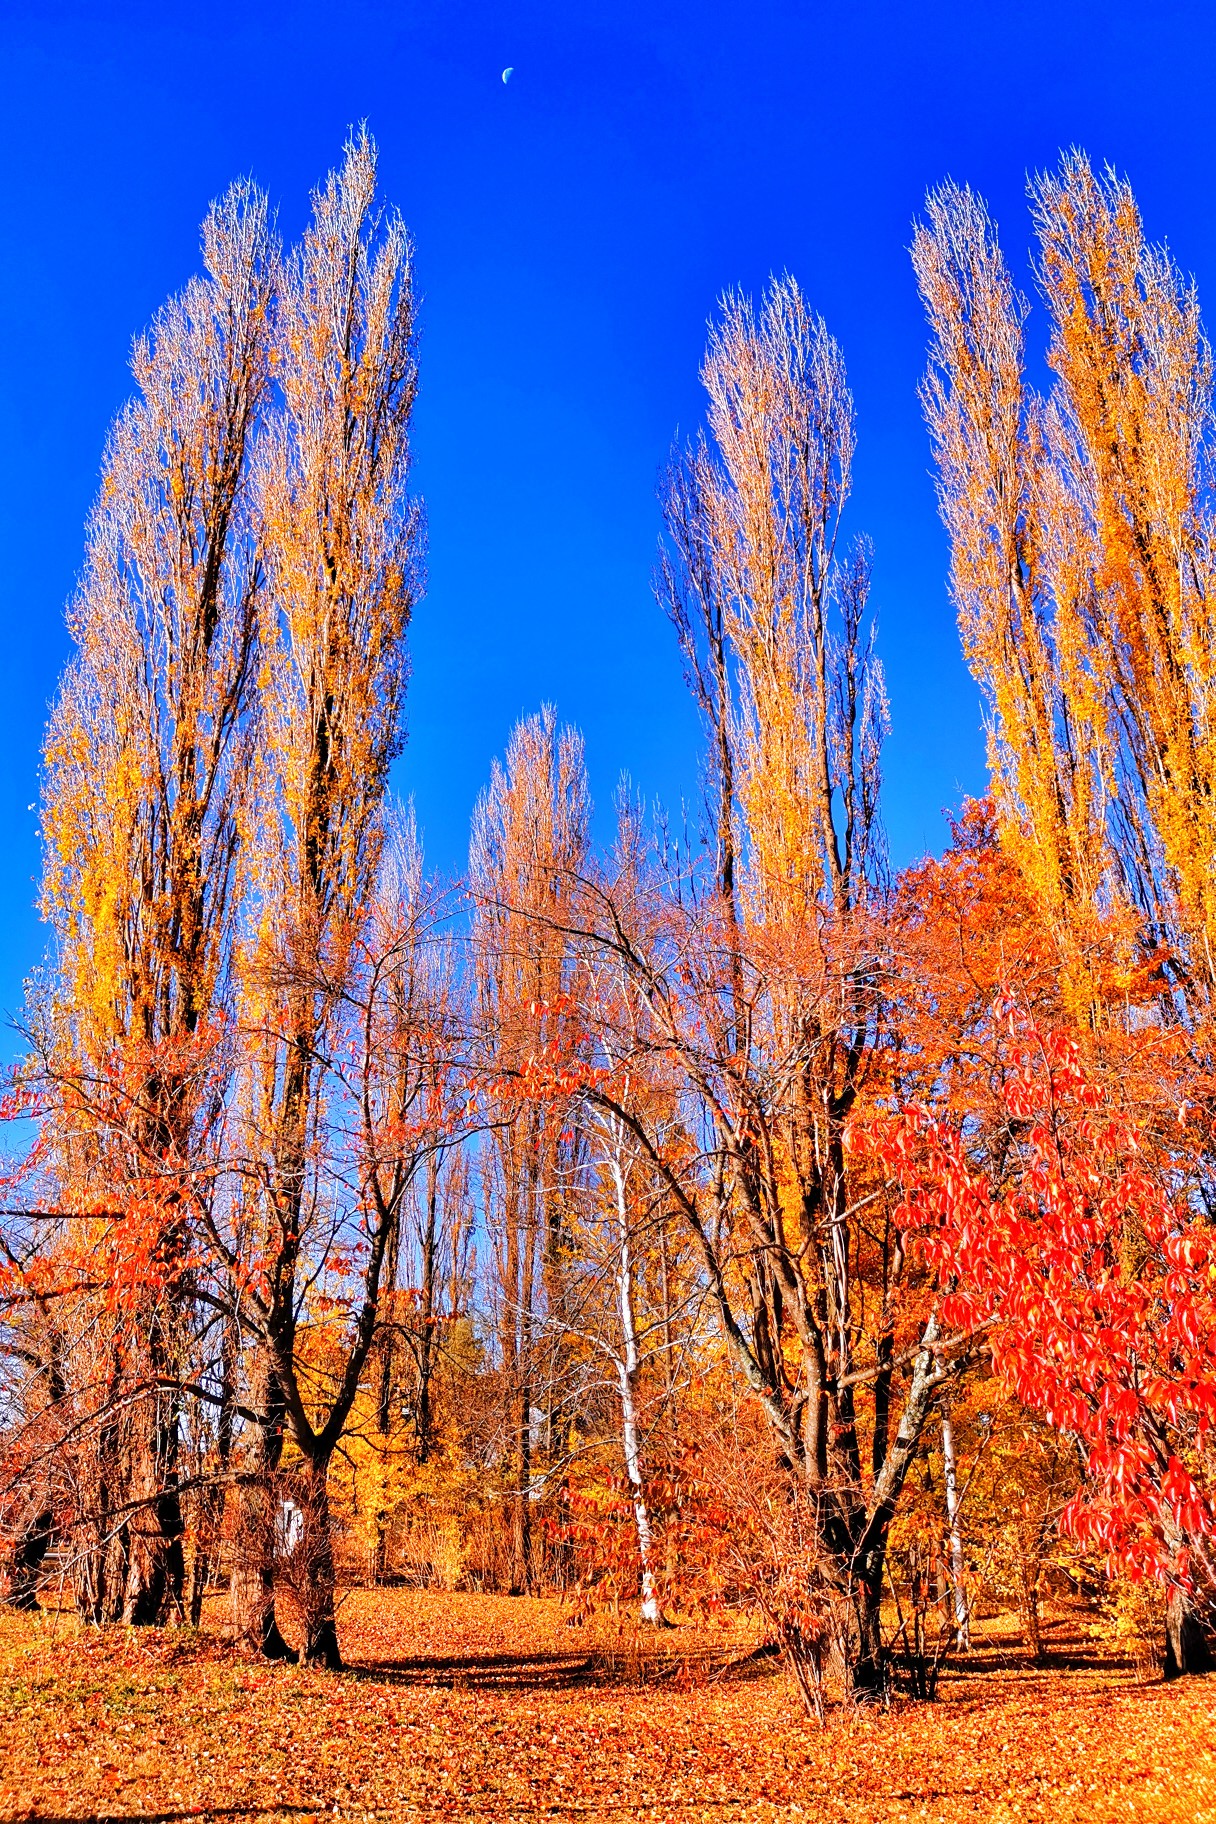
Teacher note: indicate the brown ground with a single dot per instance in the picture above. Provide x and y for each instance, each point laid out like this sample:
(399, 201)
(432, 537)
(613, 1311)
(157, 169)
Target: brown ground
(491, 1708)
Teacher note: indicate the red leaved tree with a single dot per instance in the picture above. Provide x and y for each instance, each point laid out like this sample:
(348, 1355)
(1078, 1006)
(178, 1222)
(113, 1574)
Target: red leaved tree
(1096, 1274)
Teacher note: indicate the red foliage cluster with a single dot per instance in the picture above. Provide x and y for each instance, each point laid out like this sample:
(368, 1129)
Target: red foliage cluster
(1098, 1282)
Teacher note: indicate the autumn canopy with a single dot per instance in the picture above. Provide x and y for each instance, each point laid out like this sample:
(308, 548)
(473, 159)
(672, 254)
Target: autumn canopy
(705, 1221)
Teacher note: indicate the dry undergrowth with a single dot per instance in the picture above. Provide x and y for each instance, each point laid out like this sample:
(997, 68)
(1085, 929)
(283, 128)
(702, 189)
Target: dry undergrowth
(488, 1707)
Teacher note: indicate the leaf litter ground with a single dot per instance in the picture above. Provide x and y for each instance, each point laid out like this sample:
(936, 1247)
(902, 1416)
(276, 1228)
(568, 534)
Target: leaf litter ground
(492, 1708)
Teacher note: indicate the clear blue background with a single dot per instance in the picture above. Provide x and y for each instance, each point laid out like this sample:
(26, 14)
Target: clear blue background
(573, 230)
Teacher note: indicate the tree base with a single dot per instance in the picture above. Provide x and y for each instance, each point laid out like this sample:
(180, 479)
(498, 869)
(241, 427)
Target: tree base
(871, 1680)
(322, 1649)
(273, 1646)
(1188, 1645)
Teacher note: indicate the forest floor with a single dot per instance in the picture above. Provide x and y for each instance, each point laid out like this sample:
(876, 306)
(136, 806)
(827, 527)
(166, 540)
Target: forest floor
(493, 1709)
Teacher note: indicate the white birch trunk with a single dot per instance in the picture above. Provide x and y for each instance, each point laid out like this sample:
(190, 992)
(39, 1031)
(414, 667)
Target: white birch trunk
(628, 1364)
(961, 1622)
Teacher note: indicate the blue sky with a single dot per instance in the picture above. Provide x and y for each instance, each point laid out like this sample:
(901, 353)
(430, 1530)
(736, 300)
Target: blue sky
(573, 229)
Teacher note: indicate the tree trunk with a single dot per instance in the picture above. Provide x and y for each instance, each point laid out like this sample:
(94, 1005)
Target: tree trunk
(961, 1622)
(427, 1351)
(199, 1574)
(99, 1545)
(251, 1591)
(870, 1675)
(1188, 1647)
(25, 1573)
(628, 1368)
(210, 1498)
(521, 1542)
(521, 1519)
(156, 1567)
(319, 1580)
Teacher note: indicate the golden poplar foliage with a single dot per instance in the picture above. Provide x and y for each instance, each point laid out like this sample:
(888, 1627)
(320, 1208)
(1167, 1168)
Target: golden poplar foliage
(148, 752)
(1082, 557)
(341, 548)
(770, 620)
(342, 544)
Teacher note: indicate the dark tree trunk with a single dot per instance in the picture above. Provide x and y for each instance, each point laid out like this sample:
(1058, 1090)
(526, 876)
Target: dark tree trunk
(871, 1672)
(1188, 1643)
(319, 1579)
(251, 1590)
(26, 1570)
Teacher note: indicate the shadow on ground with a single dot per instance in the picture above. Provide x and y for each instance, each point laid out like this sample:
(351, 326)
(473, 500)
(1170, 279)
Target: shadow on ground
(554, 1671)
(178, 1817)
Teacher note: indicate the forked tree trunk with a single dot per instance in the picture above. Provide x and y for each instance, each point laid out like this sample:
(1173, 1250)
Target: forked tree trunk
(156, 1568)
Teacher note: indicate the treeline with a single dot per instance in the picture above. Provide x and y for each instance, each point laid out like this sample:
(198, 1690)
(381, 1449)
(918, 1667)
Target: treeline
(695, 1221)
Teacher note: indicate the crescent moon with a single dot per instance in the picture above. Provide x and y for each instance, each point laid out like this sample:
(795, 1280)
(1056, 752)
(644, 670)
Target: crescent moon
(508, 72)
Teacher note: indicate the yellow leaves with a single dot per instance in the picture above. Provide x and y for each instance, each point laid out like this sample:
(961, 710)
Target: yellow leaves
(1080, 553)
(785, 674)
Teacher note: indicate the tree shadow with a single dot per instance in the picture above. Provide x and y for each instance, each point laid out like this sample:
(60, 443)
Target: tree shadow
(195, 1815)
(554, 1671)
(1064, 1650)
(486, 1671)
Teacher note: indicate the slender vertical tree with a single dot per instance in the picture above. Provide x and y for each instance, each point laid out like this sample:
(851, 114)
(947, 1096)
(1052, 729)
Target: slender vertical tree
(529, 849)
(1082, 557)
(768, 1009)
(147, 793)
(342, 543)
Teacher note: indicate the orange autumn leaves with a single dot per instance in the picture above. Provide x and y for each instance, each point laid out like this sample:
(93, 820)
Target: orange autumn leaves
(492, 1708)
(614, 1091)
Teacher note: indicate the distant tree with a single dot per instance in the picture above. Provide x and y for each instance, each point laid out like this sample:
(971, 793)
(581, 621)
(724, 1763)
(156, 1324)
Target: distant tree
(528, 852)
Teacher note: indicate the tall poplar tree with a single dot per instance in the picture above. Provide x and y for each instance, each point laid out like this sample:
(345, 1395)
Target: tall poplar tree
(342, 543)
(147, 790)
(1082, 557)
(529, 848)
